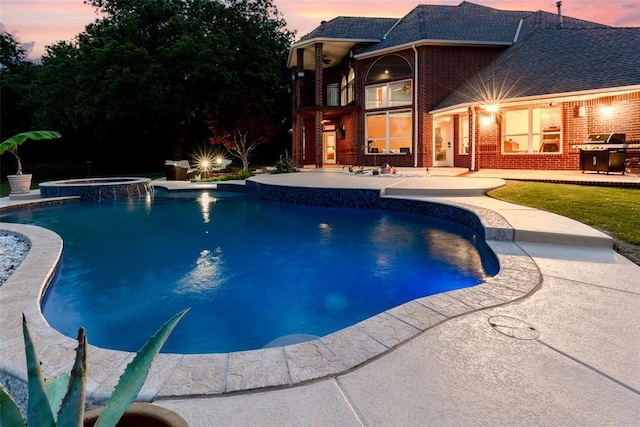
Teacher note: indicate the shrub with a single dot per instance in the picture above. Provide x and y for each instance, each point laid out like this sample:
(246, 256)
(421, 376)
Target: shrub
(285, 164)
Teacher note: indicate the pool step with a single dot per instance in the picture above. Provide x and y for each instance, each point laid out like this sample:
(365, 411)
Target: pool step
(567, 239)
(441, 186)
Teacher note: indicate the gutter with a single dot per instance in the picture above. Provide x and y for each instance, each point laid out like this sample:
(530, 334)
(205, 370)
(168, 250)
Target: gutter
(583, 95)
(415, 105)
(472, 143)
(433, 42)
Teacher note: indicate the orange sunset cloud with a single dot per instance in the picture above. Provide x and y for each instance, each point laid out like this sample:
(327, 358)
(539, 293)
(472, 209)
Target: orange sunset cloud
(38, 23)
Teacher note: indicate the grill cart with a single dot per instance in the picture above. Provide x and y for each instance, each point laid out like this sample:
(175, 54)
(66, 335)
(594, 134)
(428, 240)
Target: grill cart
(603, 152)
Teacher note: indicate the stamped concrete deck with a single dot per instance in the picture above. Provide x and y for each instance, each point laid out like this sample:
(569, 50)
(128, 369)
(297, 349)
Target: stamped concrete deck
(564, 351)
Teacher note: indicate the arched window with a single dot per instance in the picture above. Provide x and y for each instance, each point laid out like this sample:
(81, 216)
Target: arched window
(348, 88)
(389, 68)
(389, 83)
(389, 91)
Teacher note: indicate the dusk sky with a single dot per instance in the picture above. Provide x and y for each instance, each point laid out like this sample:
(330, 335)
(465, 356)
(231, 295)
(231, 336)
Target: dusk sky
(38, 23)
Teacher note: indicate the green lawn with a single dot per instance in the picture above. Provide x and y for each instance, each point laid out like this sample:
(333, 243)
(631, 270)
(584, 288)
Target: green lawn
(4, 188)
(613, 210)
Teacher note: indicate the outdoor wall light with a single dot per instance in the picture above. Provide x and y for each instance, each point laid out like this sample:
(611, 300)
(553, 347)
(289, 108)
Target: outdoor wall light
(490, 114)
(607, 111)
(582, 111)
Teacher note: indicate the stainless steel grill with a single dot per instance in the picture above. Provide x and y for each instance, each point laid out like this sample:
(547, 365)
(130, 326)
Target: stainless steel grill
(603, 152)
(604, 141)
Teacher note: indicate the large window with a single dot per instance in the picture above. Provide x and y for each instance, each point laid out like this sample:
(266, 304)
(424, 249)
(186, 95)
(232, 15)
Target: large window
(463, 135)
(389, 90)
(389, 132)
(532, 130)
(387, 95)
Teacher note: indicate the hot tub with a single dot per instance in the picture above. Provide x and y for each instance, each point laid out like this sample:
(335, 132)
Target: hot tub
(97, 188)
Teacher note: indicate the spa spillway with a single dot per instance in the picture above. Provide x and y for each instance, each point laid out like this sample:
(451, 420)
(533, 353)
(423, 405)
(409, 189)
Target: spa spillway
(97, 188)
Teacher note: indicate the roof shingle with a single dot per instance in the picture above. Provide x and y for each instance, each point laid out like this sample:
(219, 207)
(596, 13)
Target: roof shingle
(352, 28)
(554, 60)
(541, 57)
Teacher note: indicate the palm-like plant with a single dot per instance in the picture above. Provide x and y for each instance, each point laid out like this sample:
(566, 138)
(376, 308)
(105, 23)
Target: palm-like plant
(11, 144)
(61, 402)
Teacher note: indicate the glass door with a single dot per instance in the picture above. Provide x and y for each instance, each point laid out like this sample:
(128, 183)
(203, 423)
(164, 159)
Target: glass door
(329, 147)
(443, 142)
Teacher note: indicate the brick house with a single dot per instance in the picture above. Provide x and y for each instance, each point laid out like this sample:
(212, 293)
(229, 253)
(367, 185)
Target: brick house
(462, 86)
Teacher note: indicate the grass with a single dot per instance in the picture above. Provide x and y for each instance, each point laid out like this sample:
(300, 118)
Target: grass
(4, 189)
(615, 211)
(230, 177)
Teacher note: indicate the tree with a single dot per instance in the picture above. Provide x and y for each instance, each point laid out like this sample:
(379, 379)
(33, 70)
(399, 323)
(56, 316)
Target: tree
(241, 129)
(16, 75)
(140, 79)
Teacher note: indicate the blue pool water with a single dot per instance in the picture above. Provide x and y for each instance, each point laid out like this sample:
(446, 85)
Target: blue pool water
(252, 271)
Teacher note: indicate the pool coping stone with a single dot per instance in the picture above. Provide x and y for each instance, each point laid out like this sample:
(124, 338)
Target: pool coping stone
(174, 375)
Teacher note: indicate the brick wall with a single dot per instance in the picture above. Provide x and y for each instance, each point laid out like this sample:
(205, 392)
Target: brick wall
(346, 150)
(441, 70)
(460, 160)
(624, 118)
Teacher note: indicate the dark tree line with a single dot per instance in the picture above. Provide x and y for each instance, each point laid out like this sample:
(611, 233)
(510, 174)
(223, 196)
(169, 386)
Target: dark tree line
(141, 84)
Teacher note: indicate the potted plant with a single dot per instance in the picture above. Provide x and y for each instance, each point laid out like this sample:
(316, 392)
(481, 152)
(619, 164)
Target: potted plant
(21, 183)
(62, 401)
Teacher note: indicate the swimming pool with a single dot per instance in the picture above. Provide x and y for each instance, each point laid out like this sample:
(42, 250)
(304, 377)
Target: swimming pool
(300, 271)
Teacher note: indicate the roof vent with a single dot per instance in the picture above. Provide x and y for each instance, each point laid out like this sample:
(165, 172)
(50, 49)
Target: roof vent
(559, 6)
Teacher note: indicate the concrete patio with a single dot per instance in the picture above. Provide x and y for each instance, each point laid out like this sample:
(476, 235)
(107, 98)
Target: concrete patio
(580, 366)
(567, 353)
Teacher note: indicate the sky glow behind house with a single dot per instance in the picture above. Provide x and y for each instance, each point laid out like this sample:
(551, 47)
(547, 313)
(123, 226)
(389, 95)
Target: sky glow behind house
(39, 23)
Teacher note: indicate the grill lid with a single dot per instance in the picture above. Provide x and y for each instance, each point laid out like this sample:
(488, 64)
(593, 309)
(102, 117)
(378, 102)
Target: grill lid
(606, 138)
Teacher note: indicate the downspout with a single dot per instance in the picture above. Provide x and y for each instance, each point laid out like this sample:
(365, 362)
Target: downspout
(473, 139)
(415, 104)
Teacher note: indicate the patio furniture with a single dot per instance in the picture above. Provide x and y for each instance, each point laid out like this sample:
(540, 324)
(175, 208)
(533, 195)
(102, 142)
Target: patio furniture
(223, 165)
(179, 170)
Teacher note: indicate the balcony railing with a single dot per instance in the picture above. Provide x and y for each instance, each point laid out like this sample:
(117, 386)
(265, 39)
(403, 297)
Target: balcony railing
(335, 96)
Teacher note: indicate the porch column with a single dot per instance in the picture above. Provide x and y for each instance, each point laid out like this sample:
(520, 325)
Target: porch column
(298, 118)
(473, 140)
(319, 102)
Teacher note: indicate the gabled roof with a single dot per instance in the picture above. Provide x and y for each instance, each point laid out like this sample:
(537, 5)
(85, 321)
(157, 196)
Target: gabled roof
(469, 24)
(555, 61)
(339, 36)
(352, 28)
(541, 57)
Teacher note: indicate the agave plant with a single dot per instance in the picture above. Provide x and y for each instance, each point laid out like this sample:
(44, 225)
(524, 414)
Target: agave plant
(61, 401)
(11, 144)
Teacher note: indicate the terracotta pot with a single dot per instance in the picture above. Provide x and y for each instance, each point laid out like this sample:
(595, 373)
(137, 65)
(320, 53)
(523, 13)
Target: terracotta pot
(20, 184)
(141, 415)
